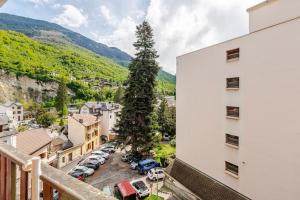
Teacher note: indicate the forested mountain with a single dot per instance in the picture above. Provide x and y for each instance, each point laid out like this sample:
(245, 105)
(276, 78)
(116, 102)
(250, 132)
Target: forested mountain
(87, 73)
(51, 32)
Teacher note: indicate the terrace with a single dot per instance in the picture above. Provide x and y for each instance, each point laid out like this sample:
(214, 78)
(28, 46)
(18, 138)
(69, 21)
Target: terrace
(25, 177)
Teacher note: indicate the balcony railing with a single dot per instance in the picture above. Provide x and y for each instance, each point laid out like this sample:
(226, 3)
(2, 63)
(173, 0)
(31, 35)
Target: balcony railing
(21, 175)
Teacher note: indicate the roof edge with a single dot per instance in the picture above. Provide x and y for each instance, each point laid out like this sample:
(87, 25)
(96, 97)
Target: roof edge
(262, 4)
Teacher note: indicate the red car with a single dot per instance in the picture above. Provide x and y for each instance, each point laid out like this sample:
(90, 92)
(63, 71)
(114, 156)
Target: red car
(125, 191)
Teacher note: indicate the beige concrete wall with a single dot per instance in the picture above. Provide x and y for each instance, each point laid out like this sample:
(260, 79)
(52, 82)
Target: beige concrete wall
(76, 131)
(108, 122)
(269, 100)
(63, 156)
(272, 12)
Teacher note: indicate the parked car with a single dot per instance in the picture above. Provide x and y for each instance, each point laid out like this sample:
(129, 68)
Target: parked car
(140, 188)
(166, 137)
(125, 191)
(77, 174)
(86, 171)
(90, 164)
(97, 158)
(145, 165)
(101, 153)
(135, 161)
(155, 174)
(108, 149)
(126, 157)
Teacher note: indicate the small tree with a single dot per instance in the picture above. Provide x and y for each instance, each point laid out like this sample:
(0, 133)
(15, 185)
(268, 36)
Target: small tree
(163, 115)
(46, 119)
(62, 98)
(119, 95)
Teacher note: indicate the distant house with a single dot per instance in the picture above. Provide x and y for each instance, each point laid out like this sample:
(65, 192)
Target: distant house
(16, 108)
(34, 142)
(7, 134)
(109, 113)
(84, 129)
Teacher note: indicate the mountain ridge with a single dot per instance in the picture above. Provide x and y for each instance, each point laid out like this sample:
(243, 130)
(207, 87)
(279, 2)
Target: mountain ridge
(47, 31)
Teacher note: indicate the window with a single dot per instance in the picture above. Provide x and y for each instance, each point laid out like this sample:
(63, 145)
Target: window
(233, 54)
(232, 139)
(233, 83)
(19, 107)
(19, 112)
(70, 155)
(88, 136)
(96, 133)
(1, 128)
(63, 159)
(43, 155)
(233, 111)
(232, 168)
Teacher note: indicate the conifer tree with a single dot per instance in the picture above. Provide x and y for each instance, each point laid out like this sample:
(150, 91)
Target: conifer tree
(136, 125)
(62, 98)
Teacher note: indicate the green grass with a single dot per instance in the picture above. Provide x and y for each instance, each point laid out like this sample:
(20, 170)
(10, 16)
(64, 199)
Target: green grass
(164, 151)
(154, 197)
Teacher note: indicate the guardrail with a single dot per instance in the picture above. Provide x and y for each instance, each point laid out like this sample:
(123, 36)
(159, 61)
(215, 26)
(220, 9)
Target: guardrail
(30, 172)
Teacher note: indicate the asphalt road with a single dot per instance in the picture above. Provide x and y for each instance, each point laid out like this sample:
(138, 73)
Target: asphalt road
(115, 171)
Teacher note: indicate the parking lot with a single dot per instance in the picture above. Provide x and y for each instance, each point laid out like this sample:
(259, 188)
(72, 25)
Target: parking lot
(115, 170)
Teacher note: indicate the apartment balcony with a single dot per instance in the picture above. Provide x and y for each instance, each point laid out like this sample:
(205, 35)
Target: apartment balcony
(25, 177)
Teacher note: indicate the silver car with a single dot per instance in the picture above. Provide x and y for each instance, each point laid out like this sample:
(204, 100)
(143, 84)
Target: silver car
(97, 158)
(86, 171)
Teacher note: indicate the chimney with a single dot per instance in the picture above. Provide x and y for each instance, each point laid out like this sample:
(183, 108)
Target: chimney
(81, 121)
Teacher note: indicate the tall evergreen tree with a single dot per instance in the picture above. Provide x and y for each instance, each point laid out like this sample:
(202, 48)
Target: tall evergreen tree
(162, 113)
(62, 98)
(136, 125)
(119, 95)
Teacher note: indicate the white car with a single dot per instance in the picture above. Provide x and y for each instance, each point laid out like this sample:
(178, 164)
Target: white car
(101, 153)
(134, 165)
(99, 159)
(86, 171)
(166, 137)
(156, 174)
(140, 188)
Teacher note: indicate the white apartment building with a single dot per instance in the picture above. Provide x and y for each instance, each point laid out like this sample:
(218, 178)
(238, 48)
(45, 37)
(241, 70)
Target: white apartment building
(241, 137)
(16, 108)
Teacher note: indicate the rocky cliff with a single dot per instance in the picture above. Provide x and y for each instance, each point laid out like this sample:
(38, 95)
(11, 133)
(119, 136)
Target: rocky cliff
(13, 87)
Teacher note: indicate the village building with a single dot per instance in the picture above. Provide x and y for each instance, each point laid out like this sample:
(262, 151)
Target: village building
(109, 114)
(34, 142)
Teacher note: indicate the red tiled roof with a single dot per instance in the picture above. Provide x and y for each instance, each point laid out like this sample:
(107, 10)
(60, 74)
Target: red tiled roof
(86, 119)
(126, 188)
(32, 140)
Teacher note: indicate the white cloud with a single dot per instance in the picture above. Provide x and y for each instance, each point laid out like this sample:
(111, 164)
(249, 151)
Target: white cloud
(122, 37)
(39, 2)
(108, 17)
(179, 26)
(183, 26)
(71, 16)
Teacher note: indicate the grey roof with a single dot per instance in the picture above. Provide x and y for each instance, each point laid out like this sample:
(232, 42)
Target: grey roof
(102, 105)
(10, 103)
(7, 133)
(201, 184)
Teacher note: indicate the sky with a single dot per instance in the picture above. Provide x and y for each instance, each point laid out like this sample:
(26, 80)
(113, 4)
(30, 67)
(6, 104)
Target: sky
(180, 26)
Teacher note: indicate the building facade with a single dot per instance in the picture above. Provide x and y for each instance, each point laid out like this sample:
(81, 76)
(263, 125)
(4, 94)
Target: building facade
(84, 129)
(7, 133)
(242, 131)
(109, 113)
(16, 108)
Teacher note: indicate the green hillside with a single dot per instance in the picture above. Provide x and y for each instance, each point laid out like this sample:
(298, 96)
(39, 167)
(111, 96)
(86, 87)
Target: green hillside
(48, 62)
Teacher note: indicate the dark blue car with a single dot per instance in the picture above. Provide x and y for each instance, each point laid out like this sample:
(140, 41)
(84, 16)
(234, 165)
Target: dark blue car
(145, 165)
